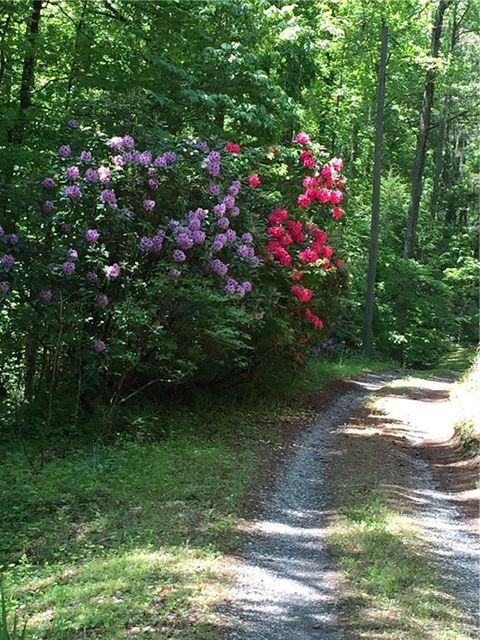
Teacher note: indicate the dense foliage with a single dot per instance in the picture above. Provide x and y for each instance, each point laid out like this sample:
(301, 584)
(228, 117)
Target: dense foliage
(171, 306)
(134, 267)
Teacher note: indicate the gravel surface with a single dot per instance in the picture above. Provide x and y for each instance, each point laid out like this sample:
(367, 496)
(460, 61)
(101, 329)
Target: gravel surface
(285, 588)
(453, 545)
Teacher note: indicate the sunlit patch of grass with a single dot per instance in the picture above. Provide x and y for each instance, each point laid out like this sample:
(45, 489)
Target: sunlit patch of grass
(129, 539)
(389, 571)
(106, 540)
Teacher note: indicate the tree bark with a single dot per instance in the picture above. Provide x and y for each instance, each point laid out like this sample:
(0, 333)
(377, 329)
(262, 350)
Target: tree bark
(28, 72)
(377, 172)
(422, 137)
(74, 68)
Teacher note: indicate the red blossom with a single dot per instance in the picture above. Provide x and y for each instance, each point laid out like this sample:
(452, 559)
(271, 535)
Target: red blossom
(337, 213)
(303, 200)
(336, 196)
(308, 255)
(254, 180)
(233, 147)
(277, 216)
(314, 319)
(307, 159)
(302, 293)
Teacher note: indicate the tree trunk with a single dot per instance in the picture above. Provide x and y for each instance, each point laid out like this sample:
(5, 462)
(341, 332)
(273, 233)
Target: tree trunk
(28, 73)
(422, 137)
(377, 171)
(74, 68)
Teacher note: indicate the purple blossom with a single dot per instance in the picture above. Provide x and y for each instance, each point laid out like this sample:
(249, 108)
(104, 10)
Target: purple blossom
(195, 224)
(243, 250)
(91, 276)
(231, 235)
(109, 197)
(2, 232)
(219, 209)
(234, 212)
(153, 183)
(64, 151)
(166, 159)
(234, 188)
(179, 256)
(73, 192)
(13, 239)
(229, 202)
(101, 300)
(119, 161)
(247, 237)
(231, 286)
(219, 242)
(113, 271)
(223, 223)
(45, 295)
(104, 174)
(73, 124)
(201, 214)
(68, 267)
(48, 206)
(72, 173)
(66, 228)
(142, 158)
(213, 169)
(86, 156)
(198, 236)
(7, 260)
(254, 261)
(184, 242)
(91, 175)
(218, 267)
(128, 141)
(92, 235)
(127, 156)
(4, 286)
(100, 346)
(202, 145)
(145, 244)
(214, 189)
(214, 156)
(49, 183)
(246, 286)
(149, 205)
(158, 241)
(116, 143)
(175, 273)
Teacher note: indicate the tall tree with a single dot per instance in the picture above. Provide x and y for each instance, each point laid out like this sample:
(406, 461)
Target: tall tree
(377, 171)
(422, 136)
(28, 72)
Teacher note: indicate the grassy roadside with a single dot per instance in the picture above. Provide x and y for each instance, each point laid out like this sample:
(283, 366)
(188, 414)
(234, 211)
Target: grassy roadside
(130, 539)
(393, 589)
(466, 398)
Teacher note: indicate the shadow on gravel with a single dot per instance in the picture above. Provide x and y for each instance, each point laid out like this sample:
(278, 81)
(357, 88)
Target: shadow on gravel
(393, 533)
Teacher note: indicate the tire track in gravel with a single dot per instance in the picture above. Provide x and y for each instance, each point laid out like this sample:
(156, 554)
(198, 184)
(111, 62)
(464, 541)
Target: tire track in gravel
(285, 587)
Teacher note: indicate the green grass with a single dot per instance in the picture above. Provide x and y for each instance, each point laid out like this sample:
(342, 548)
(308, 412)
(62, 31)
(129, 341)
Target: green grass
(128, 539)
(392, 581)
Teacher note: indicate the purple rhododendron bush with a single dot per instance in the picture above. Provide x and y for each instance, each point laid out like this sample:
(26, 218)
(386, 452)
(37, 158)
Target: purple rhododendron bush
(184, 261)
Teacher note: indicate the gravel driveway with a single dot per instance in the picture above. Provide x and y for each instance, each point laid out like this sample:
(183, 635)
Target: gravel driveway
(285, 587)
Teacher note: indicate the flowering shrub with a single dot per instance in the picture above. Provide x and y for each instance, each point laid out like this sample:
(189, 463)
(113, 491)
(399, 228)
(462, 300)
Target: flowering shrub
(164, 264)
